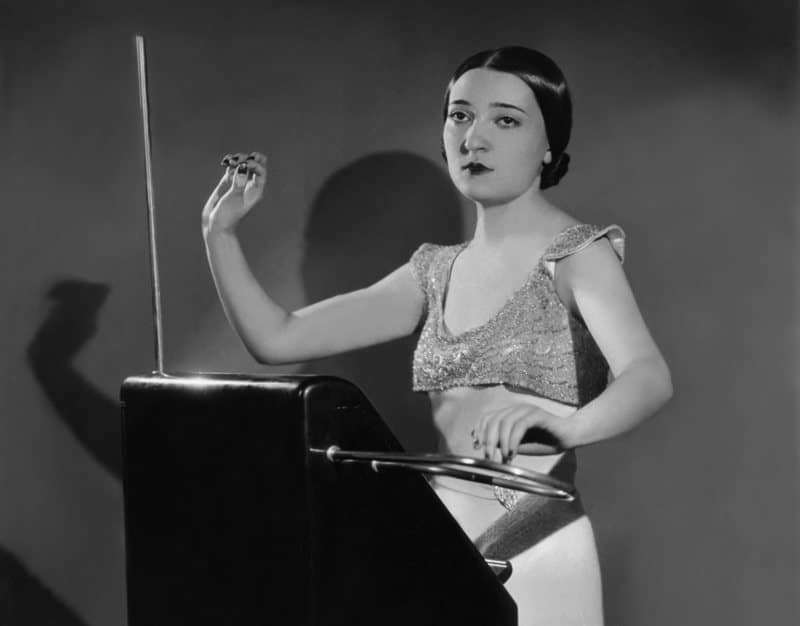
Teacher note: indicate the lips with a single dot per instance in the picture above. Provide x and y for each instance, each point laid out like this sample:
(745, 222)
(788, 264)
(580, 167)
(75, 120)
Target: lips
(475, 167)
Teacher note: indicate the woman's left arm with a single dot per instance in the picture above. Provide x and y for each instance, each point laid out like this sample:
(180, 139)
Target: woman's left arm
(591, 284)
(594, 286)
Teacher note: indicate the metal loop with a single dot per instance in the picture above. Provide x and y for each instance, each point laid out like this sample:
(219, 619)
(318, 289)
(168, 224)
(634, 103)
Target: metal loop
(467, 468)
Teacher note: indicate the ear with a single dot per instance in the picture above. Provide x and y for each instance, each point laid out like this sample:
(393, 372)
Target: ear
(548, 157)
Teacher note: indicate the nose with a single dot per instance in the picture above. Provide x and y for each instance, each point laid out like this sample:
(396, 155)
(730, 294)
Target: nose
(474, 139)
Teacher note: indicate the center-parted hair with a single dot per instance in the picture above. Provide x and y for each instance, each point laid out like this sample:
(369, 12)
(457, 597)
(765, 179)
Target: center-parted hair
(549, 87)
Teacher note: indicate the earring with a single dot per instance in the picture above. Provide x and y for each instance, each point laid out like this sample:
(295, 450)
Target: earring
(548, 157)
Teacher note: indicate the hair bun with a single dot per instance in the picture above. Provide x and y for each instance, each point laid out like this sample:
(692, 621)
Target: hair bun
(553, 172)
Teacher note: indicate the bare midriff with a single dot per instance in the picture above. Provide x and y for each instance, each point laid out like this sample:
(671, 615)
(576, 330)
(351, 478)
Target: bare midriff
(456, 411)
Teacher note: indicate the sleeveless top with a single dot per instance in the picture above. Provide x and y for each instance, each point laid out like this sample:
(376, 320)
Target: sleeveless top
(532, 342)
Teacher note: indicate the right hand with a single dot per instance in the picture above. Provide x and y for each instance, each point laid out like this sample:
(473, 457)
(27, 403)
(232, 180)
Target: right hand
(241, 186)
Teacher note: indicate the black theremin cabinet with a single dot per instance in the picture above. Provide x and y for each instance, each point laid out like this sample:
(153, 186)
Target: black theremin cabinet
(234, 515)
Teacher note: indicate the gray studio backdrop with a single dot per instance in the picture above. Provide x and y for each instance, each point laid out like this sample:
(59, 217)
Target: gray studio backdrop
(683, 119)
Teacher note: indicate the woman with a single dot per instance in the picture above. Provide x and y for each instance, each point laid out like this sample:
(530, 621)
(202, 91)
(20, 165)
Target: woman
(520, 325)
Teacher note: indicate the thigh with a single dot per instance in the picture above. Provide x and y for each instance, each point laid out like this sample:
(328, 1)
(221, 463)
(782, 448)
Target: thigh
(557, 581)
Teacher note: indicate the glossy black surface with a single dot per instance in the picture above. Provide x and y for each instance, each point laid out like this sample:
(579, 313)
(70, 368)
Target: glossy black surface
(230, 519)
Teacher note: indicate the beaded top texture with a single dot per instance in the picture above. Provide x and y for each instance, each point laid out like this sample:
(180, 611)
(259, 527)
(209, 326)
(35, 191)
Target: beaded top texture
(532, 342)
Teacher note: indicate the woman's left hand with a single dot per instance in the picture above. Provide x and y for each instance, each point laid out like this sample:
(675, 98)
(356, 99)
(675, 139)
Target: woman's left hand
(501, 432)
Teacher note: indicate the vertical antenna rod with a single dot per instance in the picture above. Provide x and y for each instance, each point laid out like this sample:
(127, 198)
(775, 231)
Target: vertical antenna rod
(151, 215)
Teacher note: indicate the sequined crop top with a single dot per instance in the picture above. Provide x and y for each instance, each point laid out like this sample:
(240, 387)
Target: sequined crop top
(532, 342)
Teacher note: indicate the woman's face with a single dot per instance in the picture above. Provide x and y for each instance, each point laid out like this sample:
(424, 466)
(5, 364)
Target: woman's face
(493, 120)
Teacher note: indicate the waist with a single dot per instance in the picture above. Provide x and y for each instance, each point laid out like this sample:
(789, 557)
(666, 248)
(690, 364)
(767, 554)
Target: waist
(563, 468)
(457, 411)
(460, 485)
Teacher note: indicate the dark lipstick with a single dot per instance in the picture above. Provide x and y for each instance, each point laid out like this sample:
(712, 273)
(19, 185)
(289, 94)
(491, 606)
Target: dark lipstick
(476, 168)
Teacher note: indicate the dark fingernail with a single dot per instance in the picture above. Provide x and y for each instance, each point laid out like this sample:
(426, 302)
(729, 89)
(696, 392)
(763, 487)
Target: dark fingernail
(225, 162)
(250, 158)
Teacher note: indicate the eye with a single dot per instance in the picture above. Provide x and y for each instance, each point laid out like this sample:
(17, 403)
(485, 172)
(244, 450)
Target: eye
(458, 116)
(507, 122)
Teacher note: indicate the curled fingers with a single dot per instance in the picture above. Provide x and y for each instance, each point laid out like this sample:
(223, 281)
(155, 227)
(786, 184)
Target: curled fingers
(488, 432)
(491, 437)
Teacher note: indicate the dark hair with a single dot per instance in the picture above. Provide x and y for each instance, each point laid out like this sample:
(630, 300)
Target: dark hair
(549, 87)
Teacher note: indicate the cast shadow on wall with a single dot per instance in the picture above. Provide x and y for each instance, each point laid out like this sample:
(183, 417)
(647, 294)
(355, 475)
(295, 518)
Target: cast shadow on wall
(91, 415)
(24, 601)
(366, 221)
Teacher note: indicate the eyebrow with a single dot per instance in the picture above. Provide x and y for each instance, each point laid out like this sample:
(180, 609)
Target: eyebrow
(504, 105)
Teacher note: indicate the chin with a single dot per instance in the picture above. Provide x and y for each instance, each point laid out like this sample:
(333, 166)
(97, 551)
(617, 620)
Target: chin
(493, 189)
(487, 195)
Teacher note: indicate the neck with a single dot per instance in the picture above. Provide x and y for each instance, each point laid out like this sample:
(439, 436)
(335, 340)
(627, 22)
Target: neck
(519, 218)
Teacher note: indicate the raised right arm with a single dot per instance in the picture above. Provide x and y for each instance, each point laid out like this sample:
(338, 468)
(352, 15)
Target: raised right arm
(386, 310)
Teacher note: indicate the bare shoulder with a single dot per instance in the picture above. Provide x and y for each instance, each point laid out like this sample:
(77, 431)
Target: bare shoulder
(595, 268)
(562, 220)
